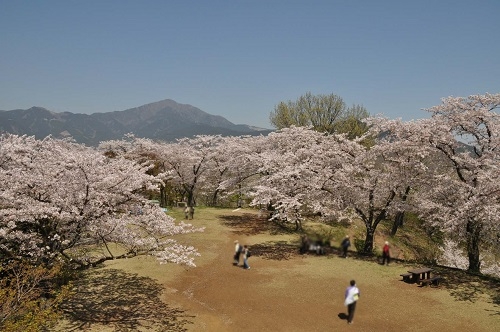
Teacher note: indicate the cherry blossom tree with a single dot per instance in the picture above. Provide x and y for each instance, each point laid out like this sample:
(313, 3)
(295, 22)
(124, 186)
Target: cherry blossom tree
(303, 170)
(285, 166)
(188, 160)
(464, 197)
(461, 192)
(61, 200)
(227, 175)
(244, 165)
(371, 182)
(218, 171)
(287, 169)
(146, 152)
(413, 164)
(192, 166)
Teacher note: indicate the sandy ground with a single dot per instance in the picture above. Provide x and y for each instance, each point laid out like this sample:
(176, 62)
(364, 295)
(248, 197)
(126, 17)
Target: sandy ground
(281, 292)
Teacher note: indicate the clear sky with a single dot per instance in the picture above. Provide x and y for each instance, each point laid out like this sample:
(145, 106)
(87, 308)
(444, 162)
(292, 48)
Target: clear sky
(239, 59)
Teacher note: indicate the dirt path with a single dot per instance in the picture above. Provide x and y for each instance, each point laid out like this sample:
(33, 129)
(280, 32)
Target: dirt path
(305, 293)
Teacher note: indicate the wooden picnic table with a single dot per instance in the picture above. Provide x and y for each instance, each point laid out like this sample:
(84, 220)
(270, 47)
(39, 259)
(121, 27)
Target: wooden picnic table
(420, 274)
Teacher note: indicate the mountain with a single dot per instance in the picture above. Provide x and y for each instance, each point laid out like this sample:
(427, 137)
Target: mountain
(164, 120)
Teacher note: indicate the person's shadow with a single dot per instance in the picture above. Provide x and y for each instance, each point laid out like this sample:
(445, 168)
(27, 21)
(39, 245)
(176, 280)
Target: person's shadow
(342, 316)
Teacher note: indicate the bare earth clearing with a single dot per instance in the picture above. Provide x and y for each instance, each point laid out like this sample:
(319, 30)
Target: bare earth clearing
(283, 291)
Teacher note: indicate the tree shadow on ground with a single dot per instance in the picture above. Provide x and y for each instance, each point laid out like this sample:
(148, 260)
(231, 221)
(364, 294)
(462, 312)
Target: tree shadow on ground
(252, 224)
(464, 286)
(121, 301)
(274, 250)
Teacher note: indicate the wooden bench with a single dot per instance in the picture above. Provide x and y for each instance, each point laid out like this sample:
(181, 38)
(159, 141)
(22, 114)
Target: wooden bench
(431, 281)
(406, 277)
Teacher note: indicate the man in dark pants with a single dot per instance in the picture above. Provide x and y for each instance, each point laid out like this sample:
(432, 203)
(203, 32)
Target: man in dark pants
(346, 243)
(351, 297)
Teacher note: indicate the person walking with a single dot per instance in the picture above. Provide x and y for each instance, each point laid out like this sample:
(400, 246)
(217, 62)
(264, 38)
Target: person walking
(237, 252)
(346, 243)
(351, 298)
(386, 254)
(246, 254)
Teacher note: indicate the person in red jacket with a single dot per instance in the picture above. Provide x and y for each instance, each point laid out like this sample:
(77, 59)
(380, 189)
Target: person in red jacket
(386, 254)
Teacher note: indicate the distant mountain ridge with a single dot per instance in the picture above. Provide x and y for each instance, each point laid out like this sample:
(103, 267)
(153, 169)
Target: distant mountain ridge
(164, 120)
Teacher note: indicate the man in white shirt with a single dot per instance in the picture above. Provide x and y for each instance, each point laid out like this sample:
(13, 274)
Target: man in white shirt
(351, 297)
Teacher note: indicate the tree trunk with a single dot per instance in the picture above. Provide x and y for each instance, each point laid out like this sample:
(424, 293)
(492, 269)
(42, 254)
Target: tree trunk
(398, 221)
(473, 240)
(163, 196)
(190, 198)
(214, 197)
(297, 225)
(239, 195)
(298, 222)
(368, 247)
(371, 222)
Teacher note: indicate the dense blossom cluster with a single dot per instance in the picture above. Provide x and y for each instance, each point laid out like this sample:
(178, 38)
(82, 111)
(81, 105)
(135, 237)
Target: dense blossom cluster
(58, 198)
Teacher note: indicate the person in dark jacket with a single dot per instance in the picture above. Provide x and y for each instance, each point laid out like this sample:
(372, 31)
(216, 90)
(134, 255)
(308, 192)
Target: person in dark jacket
(346, 243)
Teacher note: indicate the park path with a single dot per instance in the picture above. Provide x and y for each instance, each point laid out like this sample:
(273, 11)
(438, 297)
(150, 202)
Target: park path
(305, 293)
(229, 298)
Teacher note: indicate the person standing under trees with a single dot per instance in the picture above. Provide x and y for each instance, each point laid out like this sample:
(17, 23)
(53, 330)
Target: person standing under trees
(351, 297)
(189, 212)
(346, 243)
(386, 254)
(237, 252)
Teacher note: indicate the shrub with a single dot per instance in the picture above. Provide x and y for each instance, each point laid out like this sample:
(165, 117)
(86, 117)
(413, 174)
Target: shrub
(30, 296)
(325, 236)
(359, 244)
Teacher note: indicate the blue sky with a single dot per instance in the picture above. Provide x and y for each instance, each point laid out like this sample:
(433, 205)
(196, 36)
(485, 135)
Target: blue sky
(239, 59)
